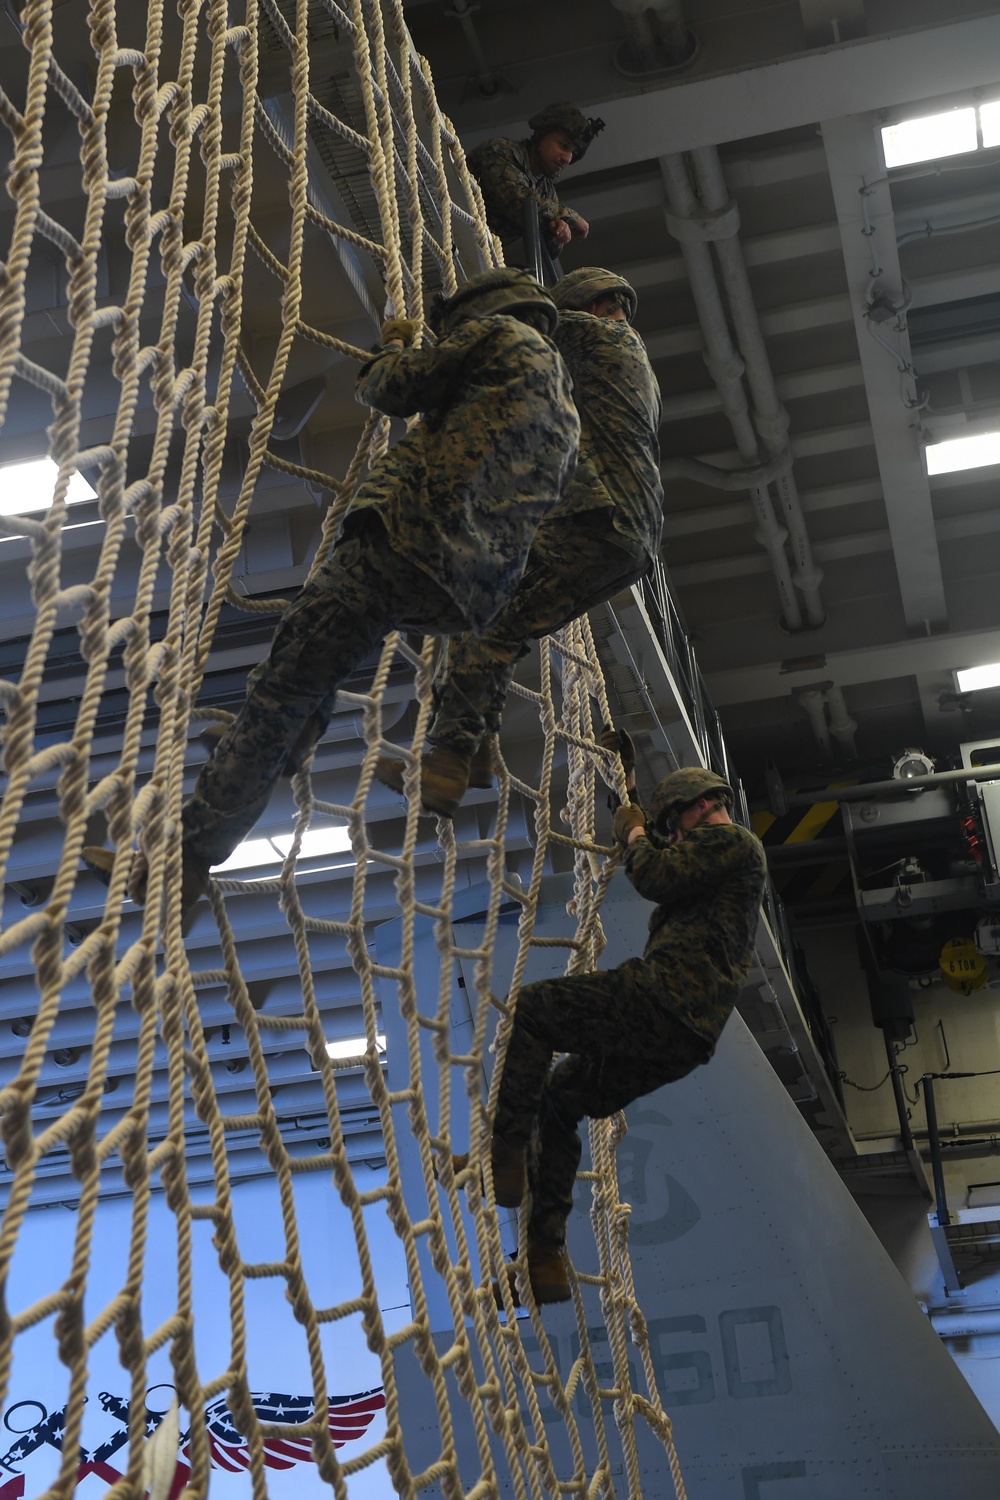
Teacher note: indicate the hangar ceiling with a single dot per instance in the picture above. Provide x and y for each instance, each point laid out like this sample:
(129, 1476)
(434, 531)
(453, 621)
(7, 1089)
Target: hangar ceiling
(909, 565)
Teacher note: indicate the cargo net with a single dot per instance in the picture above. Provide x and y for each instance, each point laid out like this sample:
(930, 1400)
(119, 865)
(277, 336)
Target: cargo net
(180, 218)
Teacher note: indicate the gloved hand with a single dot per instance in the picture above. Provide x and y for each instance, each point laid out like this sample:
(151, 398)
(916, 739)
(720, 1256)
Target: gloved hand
(630, 815)
(620, 740)
(403, 329)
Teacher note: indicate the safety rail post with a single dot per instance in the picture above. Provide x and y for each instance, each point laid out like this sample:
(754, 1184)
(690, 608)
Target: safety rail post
(934, 1140)
(537, 258)
(896, 1078)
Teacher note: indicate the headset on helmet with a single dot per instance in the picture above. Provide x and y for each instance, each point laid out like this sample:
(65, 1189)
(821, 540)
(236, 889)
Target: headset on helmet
(682, 788)
(588, 284)
(568, 117)
(505, 289)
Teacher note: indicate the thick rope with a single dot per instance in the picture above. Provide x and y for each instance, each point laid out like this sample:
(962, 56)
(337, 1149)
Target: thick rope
(192, 249)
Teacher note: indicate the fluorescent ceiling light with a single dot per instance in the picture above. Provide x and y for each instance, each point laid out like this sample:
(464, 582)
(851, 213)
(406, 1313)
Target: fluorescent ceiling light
(973, 452)
(926, 139)
(989, 120)
(971, 679)
(250, 852)
(315, 843)
(354, 1046)
(29, 486)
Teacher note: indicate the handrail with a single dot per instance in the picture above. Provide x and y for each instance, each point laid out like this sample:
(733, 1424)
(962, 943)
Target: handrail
(536, 254)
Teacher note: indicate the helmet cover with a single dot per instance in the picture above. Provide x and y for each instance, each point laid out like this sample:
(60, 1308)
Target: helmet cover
(588, 284)
(568, 117)
(504, 289)
(682, 788)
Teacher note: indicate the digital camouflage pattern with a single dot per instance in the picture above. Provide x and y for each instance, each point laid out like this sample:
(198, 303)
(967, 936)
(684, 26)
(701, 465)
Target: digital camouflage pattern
(504, 172)
(631, 1029)
(618, 399)
(621, 1043)
(462, 493)
(570, 118)
(503, 289)
(436, 540)
(680, 789)
(348, 606)
(578, 289)
(599, 538)
(575, 563)
(707, 890)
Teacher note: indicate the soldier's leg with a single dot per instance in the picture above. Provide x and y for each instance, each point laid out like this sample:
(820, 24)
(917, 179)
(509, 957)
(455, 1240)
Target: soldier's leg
(594, 1087)
(607, 1010)
(575, 562)
(364, 590)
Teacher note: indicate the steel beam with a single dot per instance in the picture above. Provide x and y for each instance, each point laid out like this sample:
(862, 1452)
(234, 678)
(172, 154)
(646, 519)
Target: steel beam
(740, 512)
(827, 21)
(815, 382)
(972, 648)
(873, 73)
(858, 181)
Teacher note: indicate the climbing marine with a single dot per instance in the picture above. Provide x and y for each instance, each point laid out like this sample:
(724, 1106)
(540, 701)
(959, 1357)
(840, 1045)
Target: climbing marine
(436, 539)
(627, 1031)
(601, 537)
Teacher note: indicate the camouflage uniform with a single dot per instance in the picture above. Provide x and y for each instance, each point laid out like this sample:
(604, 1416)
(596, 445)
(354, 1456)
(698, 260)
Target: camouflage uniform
(599, 539)
(632, 1029)
(462, 494)
(504, 172)
(436, 540)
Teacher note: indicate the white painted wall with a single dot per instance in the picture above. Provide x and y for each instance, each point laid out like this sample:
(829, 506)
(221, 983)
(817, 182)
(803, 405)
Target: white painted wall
(971, 1028)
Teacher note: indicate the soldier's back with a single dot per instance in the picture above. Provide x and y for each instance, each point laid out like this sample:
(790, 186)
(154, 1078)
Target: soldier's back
(462, 493)
(618, 399)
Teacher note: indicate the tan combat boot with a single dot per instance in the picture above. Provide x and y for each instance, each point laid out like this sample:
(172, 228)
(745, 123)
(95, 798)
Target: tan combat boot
(509, 1173)
(195, 876)
(195, 880)
(547, 1274)
(481, 769)
(444, 778)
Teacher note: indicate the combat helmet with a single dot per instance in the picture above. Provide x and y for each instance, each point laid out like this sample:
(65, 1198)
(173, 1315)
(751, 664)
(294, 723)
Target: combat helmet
(682, 788)
(505, 289)
(568, 117)
(588, 283)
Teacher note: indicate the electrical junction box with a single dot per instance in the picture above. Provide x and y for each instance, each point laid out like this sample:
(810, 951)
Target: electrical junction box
(988, 937)
(986, 753)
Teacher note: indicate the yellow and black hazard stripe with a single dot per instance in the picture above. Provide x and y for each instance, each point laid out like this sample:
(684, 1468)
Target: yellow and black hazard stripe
(809, 879)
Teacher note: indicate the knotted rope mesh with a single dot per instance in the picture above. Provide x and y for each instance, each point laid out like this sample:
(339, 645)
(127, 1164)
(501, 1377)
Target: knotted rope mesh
(183, 215)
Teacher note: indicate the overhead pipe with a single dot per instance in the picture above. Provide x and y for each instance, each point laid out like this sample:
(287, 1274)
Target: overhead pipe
(770, 416)
(813, 700)
(828, 715)
(726, 369)
(866, 790)
(965, 1322)
(842, 726)
(657, 39)
(723, 479)
(486, 77)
